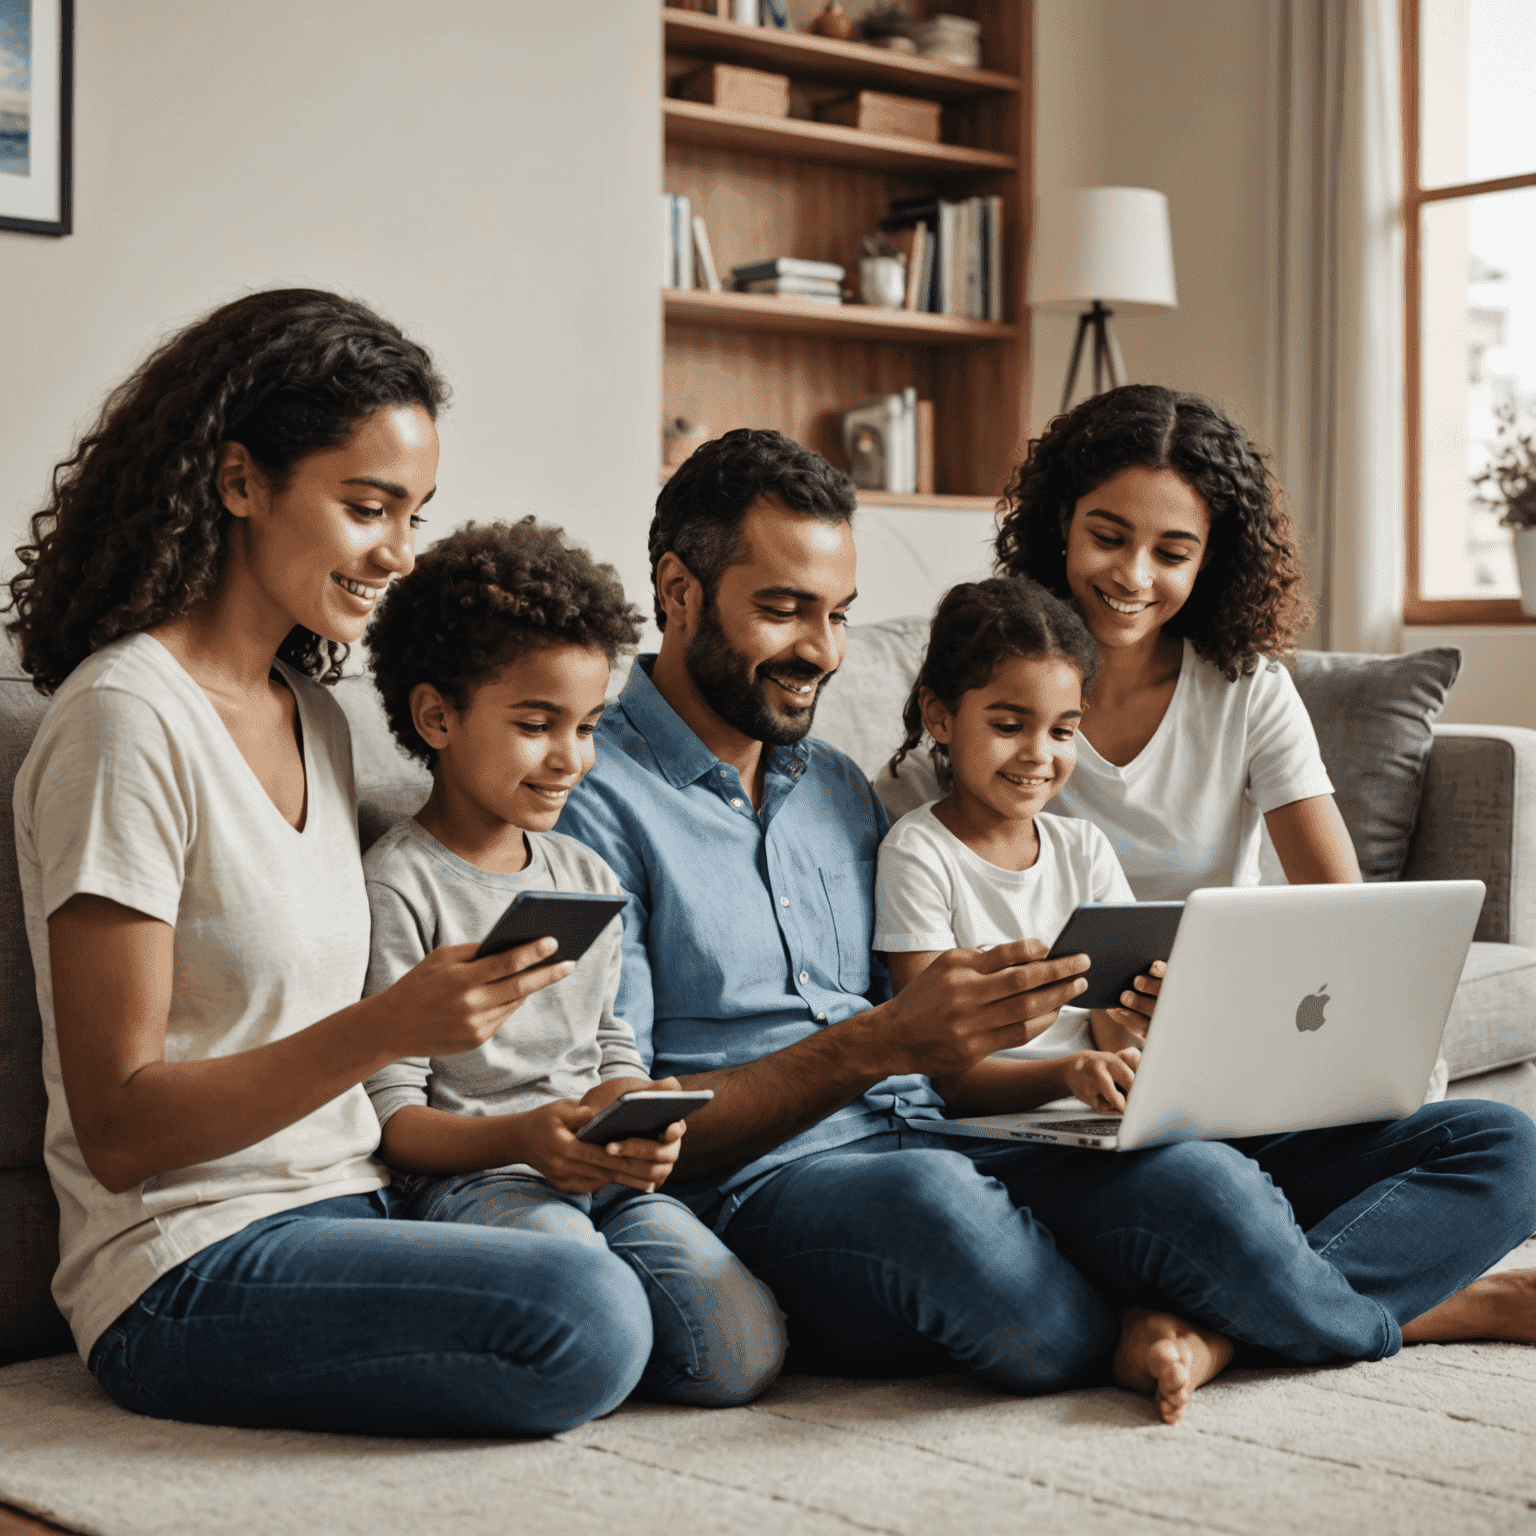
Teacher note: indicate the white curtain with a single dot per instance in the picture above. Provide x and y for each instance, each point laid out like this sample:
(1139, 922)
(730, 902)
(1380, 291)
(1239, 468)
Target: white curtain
(1335, 329)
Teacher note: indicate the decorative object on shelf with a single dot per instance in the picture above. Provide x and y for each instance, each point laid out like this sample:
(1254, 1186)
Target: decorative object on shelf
(776, 12)
(880, 438)
(949, 40)
(883, 281)
(875, 112)
(882, 272)
(1108, 247)
(36, 106)
(735, 89)
(894, 42)
(1508, 486)
(746, 13)
(833, 22)
(679, 438)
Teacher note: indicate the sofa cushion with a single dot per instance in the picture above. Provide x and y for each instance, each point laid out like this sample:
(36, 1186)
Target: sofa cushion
(1374, 720)
(21, 1032)
(860, 710)
(1493, 1015)
(30, 1324)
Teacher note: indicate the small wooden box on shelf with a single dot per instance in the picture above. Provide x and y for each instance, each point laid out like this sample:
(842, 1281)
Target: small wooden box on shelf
(802, 187)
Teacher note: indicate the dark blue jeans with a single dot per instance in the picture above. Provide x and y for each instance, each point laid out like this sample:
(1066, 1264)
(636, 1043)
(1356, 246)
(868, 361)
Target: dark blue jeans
(342, 1316)
(1001, 1258)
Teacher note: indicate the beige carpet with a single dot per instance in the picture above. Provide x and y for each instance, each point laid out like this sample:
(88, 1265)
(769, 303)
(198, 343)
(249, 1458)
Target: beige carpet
(1441, 1439)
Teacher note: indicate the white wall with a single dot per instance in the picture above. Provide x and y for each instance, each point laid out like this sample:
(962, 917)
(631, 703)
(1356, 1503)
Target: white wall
(484, 172)
(1168, 95)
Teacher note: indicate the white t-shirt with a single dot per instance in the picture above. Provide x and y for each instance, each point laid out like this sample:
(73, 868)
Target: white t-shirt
(1187, 811)
(135, 790)
(932, 892)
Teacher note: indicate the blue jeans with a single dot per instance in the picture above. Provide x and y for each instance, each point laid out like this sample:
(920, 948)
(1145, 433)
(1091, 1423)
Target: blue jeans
(998, 1257)
(341, 1316)
(719, 1335)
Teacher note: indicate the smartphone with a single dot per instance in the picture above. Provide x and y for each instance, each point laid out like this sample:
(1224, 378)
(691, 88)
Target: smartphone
(642, 1114)
(572, 918)
(1121, 938)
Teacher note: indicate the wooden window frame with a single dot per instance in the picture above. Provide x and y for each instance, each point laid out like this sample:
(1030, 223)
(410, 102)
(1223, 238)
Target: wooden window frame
(1418, 609)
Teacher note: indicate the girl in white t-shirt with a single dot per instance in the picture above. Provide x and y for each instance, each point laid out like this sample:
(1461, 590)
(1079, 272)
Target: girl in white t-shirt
(231, 1251)
(1002, 692)
(1157, 517)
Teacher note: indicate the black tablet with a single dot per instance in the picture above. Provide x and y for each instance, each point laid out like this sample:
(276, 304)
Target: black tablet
(572, 918)
(1121, 938)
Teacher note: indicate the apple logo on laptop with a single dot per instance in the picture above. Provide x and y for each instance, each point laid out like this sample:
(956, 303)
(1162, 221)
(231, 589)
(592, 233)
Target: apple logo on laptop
(1309, 1012)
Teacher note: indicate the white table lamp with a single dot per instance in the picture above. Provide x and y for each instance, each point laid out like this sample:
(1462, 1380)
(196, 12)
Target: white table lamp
(1109, 248)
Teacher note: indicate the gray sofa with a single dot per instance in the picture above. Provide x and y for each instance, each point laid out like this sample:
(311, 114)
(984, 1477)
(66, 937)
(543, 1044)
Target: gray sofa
(1444, 803)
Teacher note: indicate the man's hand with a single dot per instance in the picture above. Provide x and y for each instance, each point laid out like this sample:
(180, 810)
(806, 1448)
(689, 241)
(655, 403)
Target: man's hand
(1115, 1028)
(1101, 1079)
(546, 1138)
(969, 1003)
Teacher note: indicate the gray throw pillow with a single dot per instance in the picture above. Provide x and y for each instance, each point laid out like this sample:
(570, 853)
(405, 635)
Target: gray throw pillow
(1373, 716)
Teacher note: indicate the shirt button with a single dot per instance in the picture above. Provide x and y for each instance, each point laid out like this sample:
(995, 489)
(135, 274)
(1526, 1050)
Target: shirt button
(737, 804)
(822, 1017)
(783, 901)
(725, 773)
(805, 976)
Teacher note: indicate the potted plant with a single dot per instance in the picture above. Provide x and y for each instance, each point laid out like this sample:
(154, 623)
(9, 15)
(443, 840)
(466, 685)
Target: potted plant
(1509, 483)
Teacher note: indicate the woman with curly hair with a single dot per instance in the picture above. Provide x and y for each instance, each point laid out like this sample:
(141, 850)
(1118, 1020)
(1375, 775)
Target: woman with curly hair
(1156, 514)
(187, 839)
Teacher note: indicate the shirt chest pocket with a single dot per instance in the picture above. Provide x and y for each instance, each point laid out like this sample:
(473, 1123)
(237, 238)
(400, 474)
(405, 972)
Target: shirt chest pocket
(850, 892)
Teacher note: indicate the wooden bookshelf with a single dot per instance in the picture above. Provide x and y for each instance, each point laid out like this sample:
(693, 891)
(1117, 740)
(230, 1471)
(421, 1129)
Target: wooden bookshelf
(797, 186)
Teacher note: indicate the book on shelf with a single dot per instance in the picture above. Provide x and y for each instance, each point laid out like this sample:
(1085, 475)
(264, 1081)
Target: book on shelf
(787, 266)
(963, 257)
(803, 287)
(704, 257)
(677, 249)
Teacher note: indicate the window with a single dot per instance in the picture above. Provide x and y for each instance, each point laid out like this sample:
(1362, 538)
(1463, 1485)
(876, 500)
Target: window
(1469, 216)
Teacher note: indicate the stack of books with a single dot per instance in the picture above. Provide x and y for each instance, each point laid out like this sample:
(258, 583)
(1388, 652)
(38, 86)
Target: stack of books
(790, 277)
(686, 258)
(954, 255)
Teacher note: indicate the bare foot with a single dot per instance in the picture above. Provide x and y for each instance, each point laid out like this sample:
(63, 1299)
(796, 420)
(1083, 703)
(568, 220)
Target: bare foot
(1168, 1357)
(1501, 1306)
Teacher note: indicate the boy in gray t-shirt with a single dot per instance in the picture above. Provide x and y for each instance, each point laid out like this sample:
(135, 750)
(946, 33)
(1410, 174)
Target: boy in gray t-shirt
(492, 657)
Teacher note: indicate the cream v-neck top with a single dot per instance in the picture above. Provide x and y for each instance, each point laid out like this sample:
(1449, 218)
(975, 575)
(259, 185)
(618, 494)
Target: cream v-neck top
(135, 790)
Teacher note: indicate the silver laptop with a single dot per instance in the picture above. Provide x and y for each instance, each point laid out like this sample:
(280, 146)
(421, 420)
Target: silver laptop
(1284, 1008)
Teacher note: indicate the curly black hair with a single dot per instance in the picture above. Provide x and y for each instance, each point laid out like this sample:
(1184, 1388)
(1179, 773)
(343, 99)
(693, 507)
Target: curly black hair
(980, 624)
(477, 600)
(700, 508)
(1251, 599)
(133, 531)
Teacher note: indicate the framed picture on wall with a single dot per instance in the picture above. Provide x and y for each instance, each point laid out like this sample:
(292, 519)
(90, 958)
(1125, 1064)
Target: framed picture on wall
(36, 69)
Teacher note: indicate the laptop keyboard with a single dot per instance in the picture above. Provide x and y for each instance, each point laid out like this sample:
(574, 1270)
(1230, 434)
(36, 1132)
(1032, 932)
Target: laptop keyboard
(1097, 1125)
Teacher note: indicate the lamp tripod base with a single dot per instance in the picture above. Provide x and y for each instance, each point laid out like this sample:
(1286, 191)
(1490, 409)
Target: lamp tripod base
(1107, 362)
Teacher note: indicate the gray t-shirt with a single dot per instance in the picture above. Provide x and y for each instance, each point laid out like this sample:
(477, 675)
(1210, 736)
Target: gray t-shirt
(564, 1039)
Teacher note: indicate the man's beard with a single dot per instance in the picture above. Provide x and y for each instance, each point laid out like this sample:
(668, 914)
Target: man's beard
(739, 696)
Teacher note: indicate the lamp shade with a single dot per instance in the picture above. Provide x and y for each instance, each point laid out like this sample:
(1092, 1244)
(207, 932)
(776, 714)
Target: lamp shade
(1107, 243)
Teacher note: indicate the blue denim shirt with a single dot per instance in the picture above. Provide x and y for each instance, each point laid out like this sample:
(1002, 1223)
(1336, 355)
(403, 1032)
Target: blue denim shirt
(745, 931)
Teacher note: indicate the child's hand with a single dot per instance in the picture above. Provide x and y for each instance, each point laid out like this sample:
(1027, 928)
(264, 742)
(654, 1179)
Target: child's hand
(1115, 1028)
(546, 1138)
(1101, 1079)
(606, 1092)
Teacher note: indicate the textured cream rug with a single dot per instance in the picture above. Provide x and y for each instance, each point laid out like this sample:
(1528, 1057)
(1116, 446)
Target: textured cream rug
(1441, 1439)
